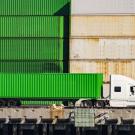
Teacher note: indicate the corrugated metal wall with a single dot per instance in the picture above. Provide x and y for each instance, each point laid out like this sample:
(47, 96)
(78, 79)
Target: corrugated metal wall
(28, 66)
(103, 37)
(35, 7)
(31, 49)
(114, 7)
(32, 26)
(103, 26)
(34, 35)
(99, 48)
(51, 86)
(107, 67)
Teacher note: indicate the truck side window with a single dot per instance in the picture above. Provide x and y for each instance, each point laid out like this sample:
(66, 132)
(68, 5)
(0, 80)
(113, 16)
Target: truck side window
(132, 90)
(117, 89)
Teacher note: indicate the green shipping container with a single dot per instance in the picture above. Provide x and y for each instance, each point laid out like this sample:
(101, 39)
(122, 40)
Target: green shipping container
(61, 86)
(31, 49)
(31, 26)
(31, 67)
(35, 7)
(48, 103)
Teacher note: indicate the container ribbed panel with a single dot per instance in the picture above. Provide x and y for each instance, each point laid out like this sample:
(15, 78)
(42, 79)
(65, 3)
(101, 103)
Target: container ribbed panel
(34, 7)
(99, 48)
(31, 49)
(31, 26)
(103, 7)
(41, 102)
(102, 26)
(31, 67)
(107, 67)
(60, 86)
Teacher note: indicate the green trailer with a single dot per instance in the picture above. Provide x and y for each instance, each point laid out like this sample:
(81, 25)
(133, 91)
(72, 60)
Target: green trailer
(54, 87)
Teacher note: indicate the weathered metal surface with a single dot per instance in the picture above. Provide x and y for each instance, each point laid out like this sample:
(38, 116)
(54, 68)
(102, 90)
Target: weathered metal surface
(108, 116)
(102, 49)
(107, 67)
(88, 7)
(102, 26)
(31, 113)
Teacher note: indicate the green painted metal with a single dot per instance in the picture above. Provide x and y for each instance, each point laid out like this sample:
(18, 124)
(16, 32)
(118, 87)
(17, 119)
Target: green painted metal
(32, 26)
(35, 7)
(31, 67)
(31, 49)
(41, 102)
(62, 86)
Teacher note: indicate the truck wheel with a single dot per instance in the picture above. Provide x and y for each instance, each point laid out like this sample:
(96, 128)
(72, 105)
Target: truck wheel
(12, 103)
(90, 103)
(100, 104)
(87, 103)
(2, 103)
(18, 103)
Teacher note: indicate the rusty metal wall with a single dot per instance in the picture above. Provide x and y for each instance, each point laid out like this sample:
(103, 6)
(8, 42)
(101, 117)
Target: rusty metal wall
(99, 48)
(103, 37)
(107, 67)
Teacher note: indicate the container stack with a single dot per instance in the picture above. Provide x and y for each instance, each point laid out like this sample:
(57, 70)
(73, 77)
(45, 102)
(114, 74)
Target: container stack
(103, 37)
(34, 35)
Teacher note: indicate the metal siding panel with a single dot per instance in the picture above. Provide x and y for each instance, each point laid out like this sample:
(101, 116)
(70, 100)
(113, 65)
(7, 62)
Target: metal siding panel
(35, 7)
(31, 49)
(42, 103)
(31, 26)
(102, 49)
(88, 7)
(51, 85)
(31, 67)
(107, 67)
(106, 90)
(102, 26)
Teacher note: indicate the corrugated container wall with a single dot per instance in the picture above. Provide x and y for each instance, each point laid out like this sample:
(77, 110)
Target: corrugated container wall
(34, 35)
(69, 86)
(32, 66)
(32, 26)
(102, 26)
(107, 67)
(98, 48)
(103, 37)
(35, 7)
(92, 7)
(31, 49)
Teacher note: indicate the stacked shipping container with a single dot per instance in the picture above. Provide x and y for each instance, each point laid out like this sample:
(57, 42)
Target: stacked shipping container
(34, 35)
(103, 37)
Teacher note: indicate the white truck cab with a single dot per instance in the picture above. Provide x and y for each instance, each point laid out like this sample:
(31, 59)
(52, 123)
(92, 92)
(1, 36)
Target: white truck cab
(122, 91)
